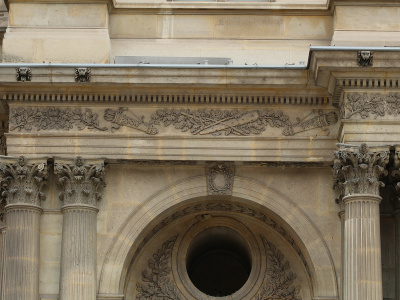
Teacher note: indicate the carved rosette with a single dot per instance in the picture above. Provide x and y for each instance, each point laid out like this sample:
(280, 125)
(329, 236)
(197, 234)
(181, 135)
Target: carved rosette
(220, 178)
(23, 181)
(358, 171)
(80, 181)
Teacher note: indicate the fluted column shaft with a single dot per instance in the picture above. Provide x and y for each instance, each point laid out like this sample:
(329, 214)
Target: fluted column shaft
(80, 182)
(397, 254)
(357, 173)
(79, 251)
(3, 233)
(22, 250)
(362, 248)
(22, 181)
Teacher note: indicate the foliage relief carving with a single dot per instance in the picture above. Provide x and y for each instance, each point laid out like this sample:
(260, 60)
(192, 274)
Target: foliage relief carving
(371, 105)
(156, 283)
(80, 182)
(280, 279)
(53, 118)
(23, 181)
(358, 171)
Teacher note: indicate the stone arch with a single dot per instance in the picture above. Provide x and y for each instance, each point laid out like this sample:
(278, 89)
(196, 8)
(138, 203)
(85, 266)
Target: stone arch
(114, 269)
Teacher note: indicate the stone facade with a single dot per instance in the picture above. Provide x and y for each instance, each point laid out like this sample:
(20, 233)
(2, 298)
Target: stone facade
(197, 150)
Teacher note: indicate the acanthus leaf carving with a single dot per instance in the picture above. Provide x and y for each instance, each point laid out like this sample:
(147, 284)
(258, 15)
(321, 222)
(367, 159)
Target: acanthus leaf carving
(80, 181)
(156, 284)
(53, 118)
(358, 171)
(23, 181)
(280, 281)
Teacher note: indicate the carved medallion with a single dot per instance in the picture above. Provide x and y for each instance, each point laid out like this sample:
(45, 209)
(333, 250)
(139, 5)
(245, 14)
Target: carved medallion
(220, 178)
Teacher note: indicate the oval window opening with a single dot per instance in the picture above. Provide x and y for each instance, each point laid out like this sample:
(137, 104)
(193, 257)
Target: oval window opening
(218, 261)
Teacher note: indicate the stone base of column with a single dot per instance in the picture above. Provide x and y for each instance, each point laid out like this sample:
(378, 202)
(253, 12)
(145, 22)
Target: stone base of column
(22, 250)
(79, 251)
(362, 248)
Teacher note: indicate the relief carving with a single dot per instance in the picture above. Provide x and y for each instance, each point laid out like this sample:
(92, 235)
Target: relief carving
(371, 105)
(119, 118)
(224, 207)
(82, 75)
(365, 58)
(241, 123)
(24, 74)
(156, 283)
(358, 171)
(53, 118)
(220, 178)
(80, 181)
(280, 279)
(23, 181)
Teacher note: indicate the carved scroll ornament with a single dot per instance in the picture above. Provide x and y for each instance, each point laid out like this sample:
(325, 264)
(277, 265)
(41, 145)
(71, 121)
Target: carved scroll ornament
(358, 172)
(23, 181)
(80, 181)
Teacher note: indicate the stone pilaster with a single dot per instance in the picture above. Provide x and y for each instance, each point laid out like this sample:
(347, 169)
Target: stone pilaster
(357, 173)
(80, 182)
(23, 181)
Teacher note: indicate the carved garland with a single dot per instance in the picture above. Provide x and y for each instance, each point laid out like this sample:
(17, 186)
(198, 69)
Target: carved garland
(156, 284)
(52, 118)
(197, 122)
(371, 105)
(280, 278)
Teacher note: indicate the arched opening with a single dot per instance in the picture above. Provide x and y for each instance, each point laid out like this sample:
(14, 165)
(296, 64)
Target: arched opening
(218, 261)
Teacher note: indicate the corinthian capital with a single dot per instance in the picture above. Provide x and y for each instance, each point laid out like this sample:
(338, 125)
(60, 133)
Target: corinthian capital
(357, 171)
(80, 181)
(22, 180)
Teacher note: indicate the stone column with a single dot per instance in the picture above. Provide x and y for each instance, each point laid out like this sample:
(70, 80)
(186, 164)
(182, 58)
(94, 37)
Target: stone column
(357, 173)
(397, 253)
(80, 181)
(23, 181)
(3, 233)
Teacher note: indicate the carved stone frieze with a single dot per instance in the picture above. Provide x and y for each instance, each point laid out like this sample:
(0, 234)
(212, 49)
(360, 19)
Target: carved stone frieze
(156, 282)
(357, 171)
(24, 74)
(220, 178)
(118, 118)
(23, 181)
(365, 58)
(53, 118)
(241, 123)
(224, 207)
(371, 105)
(80, 181)
(279, 283)
(82, 74)
(196, 122)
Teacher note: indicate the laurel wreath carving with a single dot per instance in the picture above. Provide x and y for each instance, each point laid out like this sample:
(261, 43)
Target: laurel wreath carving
(280, 278)
(156, 283)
